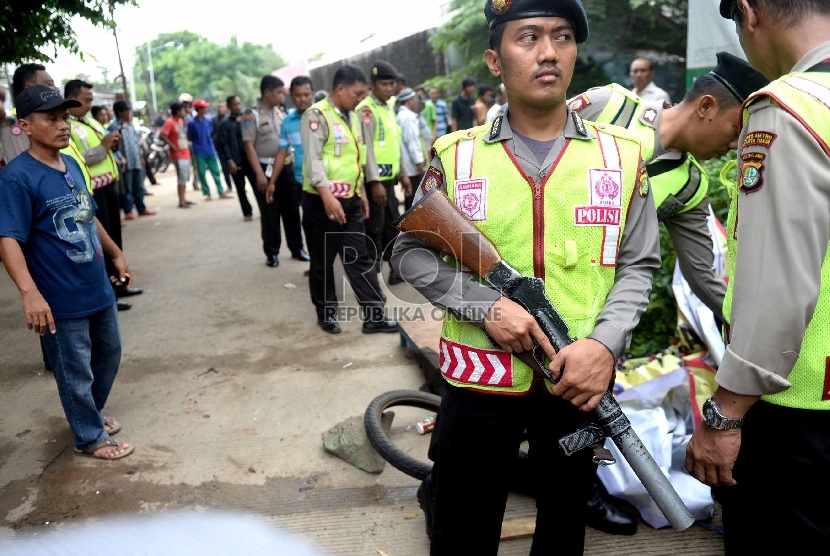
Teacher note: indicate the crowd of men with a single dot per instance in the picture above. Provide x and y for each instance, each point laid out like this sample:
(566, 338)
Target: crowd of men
(327, 174)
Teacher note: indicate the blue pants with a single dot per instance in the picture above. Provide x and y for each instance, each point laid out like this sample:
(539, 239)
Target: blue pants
(133, 190)
(85, 354)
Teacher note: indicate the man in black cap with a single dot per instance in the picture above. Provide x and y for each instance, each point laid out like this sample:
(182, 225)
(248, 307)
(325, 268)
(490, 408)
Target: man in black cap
(675, 140)
(53, 246)
(766, 431)
(563, 200)
(377, 112)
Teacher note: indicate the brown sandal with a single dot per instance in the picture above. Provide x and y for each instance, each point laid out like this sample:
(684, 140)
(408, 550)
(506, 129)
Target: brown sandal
(90, 452)
(113, 424)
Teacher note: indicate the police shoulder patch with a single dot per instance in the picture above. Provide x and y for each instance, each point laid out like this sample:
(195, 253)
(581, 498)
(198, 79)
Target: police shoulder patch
(579, 103)
(367, 115)
(432, 179)
(759, 139)
(752, 172)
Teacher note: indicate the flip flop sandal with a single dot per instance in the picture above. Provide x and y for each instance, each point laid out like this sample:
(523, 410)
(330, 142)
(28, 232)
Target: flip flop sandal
(90, 452)
(114, 425)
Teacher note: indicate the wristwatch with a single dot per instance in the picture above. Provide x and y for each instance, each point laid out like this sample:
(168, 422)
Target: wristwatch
(714, 417)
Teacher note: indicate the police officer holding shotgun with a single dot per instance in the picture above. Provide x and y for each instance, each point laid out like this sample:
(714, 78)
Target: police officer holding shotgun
(564, 200)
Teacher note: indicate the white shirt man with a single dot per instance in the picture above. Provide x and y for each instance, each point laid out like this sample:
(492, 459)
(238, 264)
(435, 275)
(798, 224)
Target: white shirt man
(642, 74)
(413, 153)
(500, 105)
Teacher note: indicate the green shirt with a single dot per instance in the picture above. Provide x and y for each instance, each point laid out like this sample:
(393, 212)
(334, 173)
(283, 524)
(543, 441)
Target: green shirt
(429, 115)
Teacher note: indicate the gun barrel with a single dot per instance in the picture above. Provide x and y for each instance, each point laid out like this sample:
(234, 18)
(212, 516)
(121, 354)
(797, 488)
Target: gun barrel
(644, 466)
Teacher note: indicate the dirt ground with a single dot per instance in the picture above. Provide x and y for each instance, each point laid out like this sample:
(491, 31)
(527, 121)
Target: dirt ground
(225, 388)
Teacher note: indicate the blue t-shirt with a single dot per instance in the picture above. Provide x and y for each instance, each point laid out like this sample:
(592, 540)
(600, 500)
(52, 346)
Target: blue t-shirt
(443, 116)
(200, 133)
(56, 229)
(290, 137)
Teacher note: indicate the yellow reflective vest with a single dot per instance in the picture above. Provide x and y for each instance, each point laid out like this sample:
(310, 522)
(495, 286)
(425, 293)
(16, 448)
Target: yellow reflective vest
(678, 185)
(343, 153)
(87, 134)
(565, 229)
(387, 139)
(807, 97)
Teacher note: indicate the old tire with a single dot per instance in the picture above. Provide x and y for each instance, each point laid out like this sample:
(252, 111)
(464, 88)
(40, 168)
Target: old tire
(380, 442)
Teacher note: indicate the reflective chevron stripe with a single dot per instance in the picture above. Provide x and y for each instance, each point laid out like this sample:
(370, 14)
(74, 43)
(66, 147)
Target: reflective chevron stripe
(463, 363)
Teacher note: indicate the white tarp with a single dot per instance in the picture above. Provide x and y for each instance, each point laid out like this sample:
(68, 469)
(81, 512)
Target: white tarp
(709, 34)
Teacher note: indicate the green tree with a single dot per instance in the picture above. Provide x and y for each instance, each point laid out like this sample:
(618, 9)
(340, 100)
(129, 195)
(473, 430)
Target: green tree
(188, 62)
(615, 26)
(27, 27)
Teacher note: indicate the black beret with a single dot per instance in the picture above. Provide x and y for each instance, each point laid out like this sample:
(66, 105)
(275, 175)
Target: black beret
(383, 70)
(738, 76)
(726, 8)
(501, 11)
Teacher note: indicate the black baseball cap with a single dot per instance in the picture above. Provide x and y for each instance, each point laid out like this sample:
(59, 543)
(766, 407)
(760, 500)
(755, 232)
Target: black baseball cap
(726, 8)
(501, 11)
(40, 98)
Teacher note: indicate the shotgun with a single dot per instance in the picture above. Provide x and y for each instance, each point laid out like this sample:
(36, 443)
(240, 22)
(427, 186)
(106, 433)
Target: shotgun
(436, 221)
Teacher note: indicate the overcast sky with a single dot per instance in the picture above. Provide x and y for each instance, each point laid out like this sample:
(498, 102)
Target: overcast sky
(297, 29)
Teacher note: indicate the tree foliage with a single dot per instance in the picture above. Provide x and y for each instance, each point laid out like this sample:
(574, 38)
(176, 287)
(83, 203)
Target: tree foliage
(188, 62)
(616, 26)
(29, 26)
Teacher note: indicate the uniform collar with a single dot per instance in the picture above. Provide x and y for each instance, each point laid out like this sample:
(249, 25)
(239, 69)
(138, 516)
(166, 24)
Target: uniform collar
(575, 128)
(815, 56)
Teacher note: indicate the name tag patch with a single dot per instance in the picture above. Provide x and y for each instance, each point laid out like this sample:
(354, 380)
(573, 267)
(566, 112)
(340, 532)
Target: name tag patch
(471, 198)
(605, 194)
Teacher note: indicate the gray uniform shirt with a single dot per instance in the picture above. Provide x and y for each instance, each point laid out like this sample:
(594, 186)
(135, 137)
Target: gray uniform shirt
(12, 138)
(689, 231)
(465, 297)
(783, 232)
(314, 131)
(263, 128)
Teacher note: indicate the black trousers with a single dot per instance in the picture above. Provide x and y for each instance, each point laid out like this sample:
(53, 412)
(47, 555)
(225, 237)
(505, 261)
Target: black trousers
(479, 438)
(286, 205)
(779, 506)
(109, 214)
(243, 171)
(227, 173)
(326, 241)
(380, 233)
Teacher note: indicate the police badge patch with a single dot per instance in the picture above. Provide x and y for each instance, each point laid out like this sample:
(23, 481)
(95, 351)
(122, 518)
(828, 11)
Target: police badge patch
(644, 184)
(501, 7)
(579, 103)
(432, 179)
(313, 125)
(752, 172)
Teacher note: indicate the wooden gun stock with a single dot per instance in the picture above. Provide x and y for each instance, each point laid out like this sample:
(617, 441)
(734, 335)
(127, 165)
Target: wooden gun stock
(436, 221)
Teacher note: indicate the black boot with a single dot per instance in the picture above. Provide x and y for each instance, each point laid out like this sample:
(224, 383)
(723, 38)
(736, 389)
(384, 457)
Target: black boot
(606, 517)
(426, 499)
(394, 278)
(377, 322)
(328, 322)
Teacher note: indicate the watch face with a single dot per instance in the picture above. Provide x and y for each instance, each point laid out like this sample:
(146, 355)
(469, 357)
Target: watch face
(708, 414)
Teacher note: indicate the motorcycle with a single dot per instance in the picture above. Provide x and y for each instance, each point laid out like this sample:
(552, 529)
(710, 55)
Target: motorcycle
(158, 157)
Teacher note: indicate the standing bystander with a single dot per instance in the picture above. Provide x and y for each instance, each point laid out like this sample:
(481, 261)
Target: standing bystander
(173, 133)
(133, 175)
(53, 249)
(482, 105)
(231, 150)
(442, 114)
(222, 114)
(642, 75)
(413, 153)
(462, 105)
(200, 135)
(499, 106)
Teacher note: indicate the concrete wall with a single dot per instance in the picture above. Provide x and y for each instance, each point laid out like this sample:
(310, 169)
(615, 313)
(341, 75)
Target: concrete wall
(412, 56)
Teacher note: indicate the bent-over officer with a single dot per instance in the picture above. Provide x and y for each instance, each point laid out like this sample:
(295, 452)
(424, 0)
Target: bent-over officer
(766, 431)
(675, 140)
(564, 200)
(377, 112)
(335, 202)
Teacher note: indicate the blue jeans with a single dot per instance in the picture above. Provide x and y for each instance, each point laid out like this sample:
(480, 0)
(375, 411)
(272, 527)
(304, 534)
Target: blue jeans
(85, 355)
(134, 190)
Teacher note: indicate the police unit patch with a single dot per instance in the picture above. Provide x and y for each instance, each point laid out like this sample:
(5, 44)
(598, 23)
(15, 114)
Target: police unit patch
(471, 198)
(432, 179)
(313, 125)
(500, 7)
(367, 116)
(580, 103)
(650, 116)
(759, 139)
(752, 172)
(15, 130)
(644, 184)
